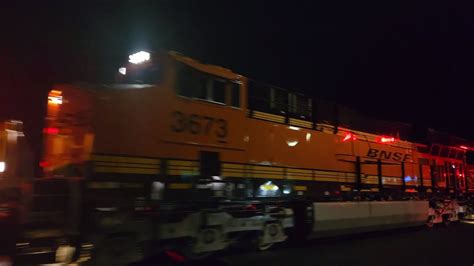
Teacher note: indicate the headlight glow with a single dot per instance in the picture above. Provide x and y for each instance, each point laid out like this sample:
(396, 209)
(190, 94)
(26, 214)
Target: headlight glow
(2, 167)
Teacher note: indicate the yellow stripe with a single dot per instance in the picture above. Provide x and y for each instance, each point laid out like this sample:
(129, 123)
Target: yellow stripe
(427, 183)
(232, 173)
(125, 170)
(233, 165)
(182, 172)
(182, 163)
(282, 120)
(131, 185)
(299, 174)
(267, 114)
(303, 171)
(267, 175)
(107, 185)
(300, 188)
(266, 168)
(332, 179)
(328, 176)
(136, 165)
(326, 173)
(299, 177)
(298, 122)
(113, 185)
(369, 190)
(257, 171)
(123, 159)
(371, 179)
(301, 125)
(388, 180)
(270, 117)
(345, 188)
(233, 170)
(266, 172)
(180, 185)
(178, 167)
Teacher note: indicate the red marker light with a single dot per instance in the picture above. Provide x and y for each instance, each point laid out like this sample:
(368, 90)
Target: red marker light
(349, 136)
(51, 130)
(43, 164)
(251, 207)
(464, 147)
(174, 256)
(387, 139)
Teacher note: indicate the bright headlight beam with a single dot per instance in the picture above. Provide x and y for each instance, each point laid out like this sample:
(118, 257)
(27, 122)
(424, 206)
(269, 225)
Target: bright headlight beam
(138, 58)
(123, 71)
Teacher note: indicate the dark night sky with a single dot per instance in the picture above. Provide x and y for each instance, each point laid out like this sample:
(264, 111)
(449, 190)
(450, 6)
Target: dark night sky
(411, 62)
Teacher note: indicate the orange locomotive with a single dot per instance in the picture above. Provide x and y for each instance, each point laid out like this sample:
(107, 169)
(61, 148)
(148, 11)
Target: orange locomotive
(185, 121)
(175, 130)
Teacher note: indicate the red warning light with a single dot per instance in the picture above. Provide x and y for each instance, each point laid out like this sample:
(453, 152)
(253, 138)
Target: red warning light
(51, 130)
(43, 164)
(349, 136)
(175, 256)
(464, 147)
(387, 139)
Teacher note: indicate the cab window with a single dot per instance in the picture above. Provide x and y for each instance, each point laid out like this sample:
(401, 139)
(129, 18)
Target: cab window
(422, 149)
(435, 150)
(195, 84)
(234, 94)
(444, 152)
(299, 106)
(453, 153)
(278, 100)
(191, 83)
(216, 90)
(470, 157)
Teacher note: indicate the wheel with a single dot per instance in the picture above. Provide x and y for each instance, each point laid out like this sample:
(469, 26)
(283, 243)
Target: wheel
(271, 230)
(210, 237)
(262, 247)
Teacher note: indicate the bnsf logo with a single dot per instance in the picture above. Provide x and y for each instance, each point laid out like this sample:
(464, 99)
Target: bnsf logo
(388, 155)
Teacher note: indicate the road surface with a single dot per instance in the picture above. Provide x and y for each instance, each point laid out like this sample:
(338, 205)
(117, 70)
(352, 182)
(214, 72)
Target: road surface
(453, 245)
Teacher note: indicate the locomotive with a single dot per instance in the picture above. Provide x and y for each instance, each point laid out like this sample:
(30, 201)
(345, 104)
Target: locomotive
(191, 156)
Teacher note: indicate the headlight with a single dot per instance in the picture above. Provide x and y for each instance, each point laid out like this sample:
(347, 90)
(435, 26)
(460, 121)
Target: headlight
(65, 253)
(138, 58)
